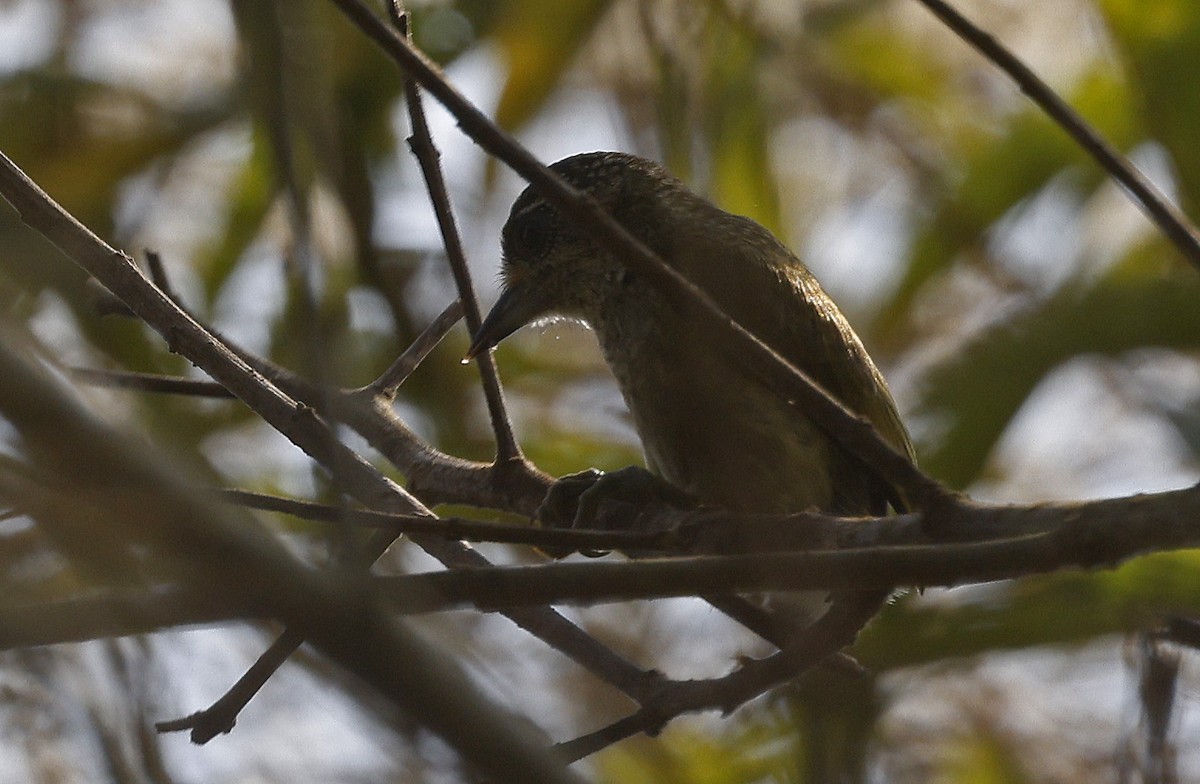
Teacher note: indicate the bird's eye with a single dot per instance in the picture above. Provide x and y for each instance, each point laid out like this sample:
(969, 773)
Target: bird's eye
(532, 233)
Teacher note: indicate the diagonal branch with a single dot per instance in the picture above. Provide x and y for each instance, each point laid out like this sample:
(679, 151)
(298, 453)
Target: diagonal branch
(422, 146)
(148, 382)
(296, 421)
(853, 432)
(390, 381)
(151, 506)
(836, 629)
(1169, 218)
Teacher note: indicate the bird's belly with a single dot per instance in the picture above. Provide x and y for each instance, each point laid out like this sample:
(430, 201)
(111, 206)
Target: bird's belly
(730, 443)
(724, 438)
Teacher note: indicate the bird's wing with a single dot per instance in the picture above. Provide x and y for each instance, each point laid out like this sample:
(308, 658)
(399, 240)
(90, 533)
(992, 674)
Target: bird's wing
(764, 287)
(816, 338)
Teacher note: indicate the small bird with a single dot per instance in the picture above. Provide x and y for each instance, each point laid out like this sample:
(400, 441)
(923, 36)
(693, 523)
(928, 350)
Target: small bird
(707, 425)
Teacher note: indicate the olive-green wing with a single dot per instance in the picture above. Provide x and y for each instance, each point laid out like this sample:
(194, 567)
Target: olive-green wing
(763, 286)
(820, 340)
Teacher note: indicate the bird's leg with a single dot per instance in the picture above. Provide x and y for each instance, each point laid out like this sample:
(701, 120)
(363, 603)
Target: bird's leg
(633, 486)
(621, 500)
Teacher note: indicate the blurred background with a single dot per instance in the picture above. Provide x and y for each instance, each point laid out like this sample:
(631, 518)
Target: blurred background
(1040, 336)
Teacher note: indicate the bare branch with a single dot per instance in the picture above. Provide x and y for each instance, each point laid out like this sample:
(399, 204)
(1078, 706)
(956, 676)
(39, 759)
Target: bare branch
(434, 476)
(296, 421)
(847, 614)
(1169, 218)
(229, 553)
(421, 144)
(390, 381)
(853, 432)
(149, 382)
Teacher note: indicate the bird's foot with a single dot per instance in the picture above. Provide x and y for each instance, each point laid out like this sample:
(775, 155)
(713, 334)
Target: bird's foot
(624, 500)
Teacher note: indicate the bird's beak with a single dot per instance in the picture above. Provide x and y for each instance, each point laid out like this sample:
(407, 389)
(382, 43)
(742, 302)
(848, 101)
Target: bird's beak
(517, 306)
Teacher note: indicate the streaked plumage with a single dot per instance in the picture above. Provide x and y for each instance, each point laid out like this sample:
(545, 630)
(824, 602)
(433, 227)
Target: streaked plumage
(707, 425)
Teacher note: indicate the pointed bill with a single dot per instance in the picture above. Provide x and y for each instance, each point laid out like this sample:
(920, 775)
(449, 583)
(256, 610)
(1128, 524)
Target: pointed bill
(517, 306)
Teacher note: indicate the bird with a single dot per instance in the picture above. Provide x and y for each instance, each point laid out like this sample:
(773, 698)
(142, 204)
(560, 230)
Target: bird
(707, 425)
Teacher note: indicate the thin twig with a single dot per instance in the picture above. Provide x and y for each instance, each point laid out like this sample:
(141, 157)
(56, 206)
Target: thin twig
(149, 382)
(851, 431)
(1169, 218)
(185, 336)
(421, 144)
(158, 274)
(833, 631)
(390, 381)
(457, 528)
(153, 508)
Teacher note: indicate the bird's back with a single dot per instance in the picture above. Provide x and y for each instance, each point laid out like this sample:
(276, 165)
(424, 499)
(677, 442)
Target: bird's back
(707, 423)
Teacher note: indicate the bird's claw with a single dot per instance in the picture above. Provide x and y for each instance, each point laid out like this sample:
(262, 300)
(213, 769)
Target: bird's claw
(614, 501)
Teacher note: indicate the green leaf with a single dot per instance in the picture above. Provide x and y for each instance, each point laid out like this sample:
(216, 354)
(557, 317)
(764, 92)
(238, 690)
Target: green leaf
(752, 752)
(737, 129)
(1065, 608)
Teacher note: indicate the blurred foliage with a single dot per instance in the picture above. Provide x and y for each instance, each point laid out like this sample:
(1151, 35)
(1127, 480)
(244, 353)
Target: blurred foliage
(539, 39)
(1058, 609)
(293, 150)
(749, 753)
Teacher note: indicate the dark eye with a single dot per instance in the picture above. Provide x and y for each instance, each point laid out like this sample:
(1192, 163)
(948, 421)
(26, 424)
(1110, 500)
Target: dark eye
(532, 233)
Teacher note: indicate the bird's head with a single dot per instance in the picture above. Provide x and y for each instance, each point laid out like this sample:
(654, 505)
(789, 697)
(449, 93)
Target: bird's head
(550, 267)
